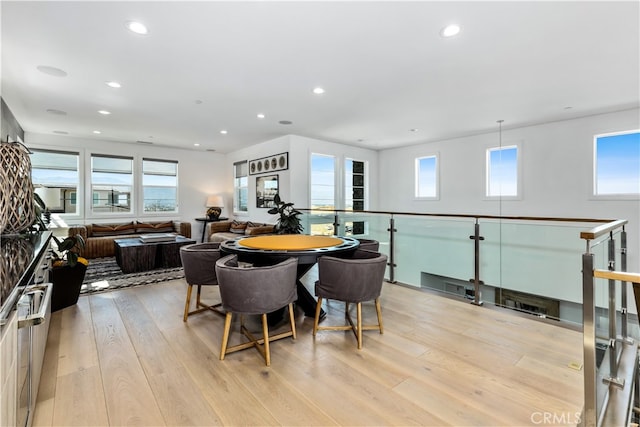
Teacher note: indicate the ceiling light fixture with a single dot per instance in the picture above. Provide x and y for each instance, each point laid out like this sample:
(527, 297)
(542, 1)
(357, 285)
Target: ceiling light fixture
(104, 112)
(260, 116)
(318, 91)
(196, 145)
(114, 85)
(137, 27)
(97, 132)
(224, 132)
(52, 71)
(450, 30)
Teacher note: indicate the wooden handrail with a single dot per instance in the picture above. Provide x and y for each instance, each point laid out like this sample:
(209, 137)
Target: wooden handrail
(521, 218)
(602, 229)
(617, 275)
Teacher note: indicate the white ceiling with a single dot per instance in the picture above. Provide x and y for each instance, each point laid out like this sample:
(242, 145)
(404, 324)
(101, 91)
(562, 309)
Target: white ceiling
(209, 66)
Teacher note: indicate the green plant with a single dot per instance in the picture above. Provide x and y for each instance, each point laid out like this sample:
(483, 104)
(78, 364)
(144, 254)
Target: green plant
(289, 221)
(67, 251)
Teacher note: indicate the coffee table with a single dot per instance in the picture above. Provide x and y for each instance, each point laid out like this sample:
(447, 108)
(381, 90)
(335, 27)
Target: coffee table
(132, 255)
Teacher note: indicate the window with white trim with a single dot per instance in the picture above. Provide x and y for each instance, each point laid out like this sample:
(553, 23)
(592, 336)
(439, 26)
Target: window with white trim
(617, 164)
(159, 185)
(112, 182)
(426, 184)
(502, 172)
(56, 179)
(323, 190)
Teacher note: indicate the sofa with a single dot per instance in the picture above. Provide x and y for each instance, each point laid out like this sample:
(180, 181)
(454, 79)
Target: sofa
(224, 230)
(99, 237)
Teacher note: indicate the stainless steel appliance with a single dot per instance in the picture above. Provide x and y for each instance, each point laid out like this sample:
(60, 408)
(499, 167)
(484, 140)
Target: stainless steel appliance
(24, 270)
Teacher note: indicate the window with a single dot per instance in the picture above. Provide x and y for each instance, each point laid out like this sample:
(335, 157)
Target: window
(111, 183)
(323, 180)
(240, 187)
(56, 179)
(426, 184)
(159, 186)
(502, 172)
(617, 164)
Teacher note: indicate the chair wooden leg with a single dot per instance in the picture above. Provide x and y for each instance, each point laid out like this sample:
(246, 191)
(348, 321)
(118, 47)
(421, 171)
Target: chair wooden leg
(225, 335)
(317, 316)
(198, 303)
(359, 324)
(265, 333)
(186, 305)
(292, 320)
(379, 313)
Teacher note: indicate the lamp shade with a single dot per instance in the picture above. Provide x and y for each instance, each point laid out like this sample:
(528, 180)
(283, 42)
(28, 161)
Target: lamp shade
(215, 201)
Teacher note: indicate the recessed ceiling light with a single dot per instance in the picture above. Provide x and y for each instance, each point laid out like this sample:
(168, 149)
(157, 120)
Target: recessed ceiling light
(261, 116)
(114, 85)
(318, 91)
(52, 71)
(104, 112)
(137, 27)
(224, 132)
(97, 132)
(450, 30)
(56, 112)
(196, 145)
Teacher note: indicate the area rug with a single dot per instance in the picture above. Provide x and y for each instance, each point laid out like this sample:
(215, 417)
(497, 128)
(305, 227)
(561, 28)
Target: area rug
(103, 274)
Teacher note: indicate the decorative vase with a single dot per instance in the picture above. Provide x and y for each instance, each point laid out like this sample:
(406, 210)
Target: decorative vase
(16, 202)
(67, 282)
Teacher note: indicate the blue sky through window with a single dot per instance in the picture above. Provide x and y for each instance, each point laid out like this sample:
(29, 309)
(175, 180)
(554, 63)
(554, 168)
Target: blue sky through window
(426, 177)
(617, 164)
(502, 179)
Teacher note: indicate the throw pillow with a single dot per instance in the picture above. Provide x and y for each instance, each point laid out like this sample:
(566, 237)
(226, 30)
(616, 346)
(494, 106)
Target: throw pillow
(100, 230)
(260, 229)
(238, 227)
(155, 227)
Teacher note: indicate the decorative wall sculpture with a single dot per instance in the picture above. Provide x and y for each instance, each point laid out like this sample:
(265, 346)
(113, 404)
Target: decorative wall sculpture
(17, 208)
(273, 163)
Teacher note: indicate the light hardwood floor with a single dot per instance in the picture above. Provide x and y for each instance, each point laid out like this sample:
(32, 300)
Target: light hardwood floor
(126, 358)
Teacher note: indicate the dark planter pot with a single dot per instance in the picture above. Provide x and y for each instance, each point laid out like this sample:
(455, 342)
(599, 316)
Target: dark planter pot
(67, 282)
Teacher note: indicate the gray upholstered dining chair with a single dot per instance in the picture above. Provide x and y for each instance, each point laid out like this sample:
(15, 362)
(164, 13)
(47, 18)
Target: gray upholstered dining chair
(256, 291)
(369, 244)
(199, 263)
(352, 280)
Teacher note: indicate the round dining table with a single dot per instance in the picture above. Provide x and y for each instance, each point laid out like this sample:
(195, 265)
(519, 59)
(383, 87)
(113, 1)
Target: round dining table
(271, 249)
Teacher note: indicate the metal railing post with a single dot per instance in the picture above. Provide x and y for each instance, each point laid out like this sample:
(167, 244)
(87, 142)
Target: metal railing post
(336, 223)
(476, 270)
(613, 342)
(391, 263)
(590, 415)
(623, 293)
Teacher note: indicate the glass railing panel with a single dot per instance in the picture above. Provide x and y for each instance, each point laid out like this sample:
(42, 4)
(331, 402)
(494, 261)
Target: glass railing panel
(317, 222)
(531, 266)
(434, 253)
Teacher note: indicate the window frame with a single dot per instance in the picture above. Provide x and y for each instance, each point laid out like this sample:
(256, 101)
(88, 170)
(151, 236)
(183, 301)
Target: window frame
(79, 183)
(91, 213)
(519, 151)
(142, 174)
(416, 193)
(594, 170)
(237, 186)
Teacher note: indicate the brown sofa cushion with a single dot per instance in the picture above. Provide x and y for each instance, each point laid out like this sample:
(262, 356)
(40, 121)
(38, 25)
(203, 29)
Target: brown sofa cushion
(155, 227)
(257, 228)
(238, 227)
(99, 230)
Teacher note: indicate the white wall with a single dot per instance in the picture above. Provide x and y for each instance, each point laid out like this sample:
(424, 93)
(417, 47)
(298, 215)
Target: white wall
(200, 173)
(556, 174)
(294, 182)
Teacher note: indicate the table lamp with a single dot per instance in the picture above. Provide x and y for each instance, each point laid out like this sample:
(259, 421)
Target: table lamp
(214, 206)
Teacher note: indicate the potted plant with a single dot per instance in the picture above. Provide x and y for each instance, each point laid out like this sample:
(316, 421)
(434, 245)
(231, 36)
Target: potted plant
(67, 272)
(289, 221)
